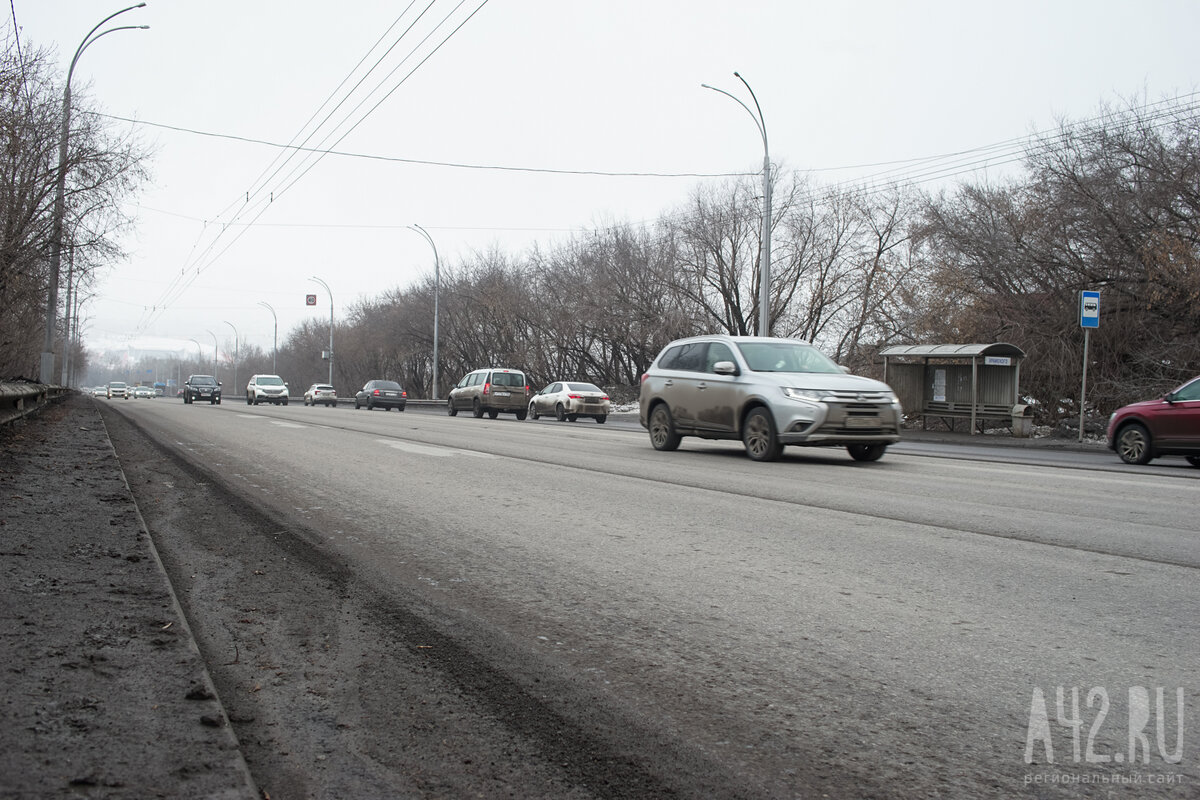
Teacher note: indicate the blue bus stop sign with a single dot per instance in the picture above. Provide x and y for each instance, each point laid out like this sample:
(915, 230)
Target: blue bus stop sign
(1089, 309)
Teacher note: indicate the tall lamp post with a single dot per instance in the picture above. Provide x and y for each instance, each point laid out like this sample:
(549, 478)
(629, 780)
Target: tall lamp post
(437, 285)
(216, 353)
(46, 373)
(326, 285)
(199, 353)
(275, 341)
(764, 257)
(235, 353)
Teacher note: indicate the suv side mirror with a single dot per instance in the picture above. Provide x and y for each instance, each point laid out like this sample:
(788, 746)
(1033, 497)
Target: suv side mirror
(844, 368)
(725, 368)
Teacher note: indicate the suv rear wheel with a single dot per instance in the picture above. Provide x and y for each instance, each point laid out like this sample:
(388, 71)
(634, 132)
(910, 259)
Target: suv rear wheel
(476, 409)
(662, 429)
(758, 435)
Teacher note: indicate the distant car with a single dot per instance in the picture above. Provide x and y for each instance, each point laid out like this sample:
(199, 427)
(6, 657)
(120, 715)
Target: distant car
(100, 391)
(321, 393)
(767, 392)
(143, 391)
(117, 389)
(266, 389)
(1166, 426)
(490, 391)
(202, 387)
(381, 394)
(570, 400)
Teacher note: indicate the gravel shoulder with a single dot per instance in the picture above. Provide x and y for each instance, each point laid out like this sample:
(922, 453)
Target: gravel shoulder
(105, 694)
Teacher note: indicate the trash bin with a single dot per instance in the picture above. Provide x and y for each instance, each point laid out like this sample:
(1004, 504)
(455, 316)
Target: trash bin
(1022, 421)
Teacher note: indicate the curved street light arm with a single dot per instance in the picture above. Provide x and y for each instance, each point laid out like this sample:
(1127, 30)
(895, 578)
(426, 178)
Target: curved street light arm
(437, 288)
(275, 341)
(330, 293)
(762, 132)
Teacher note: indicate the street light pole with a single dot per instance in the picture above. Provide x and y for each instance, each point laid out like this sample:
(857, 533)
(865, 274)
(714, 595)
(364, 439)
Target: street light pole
(326, 285)
(216, 354)
(199, 353)
(235, 353)
(275, 341)
(46, 371)
(764, 257)
(437, 285)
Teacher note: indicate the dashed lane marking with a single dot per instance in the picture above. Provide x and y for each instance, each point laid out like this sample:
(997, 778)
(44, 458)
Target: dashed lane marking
(431, 450)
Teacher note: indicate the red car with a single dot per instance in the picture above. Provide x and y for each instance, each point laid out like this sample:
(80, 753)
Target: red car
(1168, 426)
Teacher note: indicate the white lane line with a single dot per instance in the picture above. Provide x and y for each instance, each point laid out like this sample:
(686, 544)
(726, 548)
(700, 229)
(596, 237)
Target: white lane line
(287, 424)
(431, 450)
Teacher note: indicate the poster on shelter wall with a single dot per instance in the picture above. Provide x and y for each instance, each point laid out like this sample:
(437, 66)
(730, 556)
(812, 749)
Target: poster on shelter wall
(939, 386)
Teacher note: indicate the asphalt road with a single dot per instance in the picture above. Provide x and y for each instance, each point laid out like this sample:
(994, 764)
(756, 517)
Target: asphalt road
(812, 627)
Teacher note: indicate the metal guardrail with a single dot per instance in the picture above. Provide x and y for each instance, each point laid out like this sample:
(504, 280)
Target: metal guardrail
(19, 400)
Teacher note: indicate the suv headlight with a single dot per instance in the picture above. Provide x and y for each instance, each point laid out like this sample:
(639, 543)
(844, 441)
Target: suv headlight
(811, 395)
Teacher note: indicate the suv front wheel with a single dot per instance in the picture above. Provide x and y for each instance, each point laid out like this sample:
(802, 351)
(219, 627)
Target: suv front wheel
(1133, 444)
(758, 435)
(866, 452)
(662, 429)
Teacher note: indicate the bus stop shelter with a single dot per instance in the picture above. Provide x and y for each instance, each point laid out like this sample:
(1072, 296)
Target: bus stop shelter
(952, 382)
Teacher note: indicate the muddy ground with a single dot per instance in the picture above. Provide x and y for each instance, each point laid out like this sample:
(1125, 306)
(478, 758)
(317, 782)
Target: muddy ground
(325, 685)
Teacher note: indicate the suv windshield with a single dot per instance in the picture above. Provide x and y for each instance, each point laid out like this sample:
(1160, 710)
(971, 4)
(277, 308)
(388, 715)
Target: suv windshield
(269, 380)
(203, 380)
(786, 357)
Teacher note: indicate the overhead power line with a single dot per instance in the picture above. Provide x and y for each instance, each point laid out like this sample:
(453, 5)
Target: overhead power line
(429, 162)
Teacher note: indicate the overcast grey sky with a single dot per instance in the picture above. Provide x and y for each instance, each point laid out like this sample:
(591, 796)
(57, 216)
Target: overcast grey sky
(541, 85)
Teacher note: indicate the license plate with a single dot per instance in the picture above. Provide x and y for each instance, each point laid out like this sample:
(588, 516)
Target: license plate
(503, 394)
(862, 422)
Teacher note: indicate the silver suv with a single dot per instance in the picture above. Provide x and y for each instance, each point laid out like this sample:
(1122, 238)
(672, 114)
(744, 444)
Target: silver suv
(767, 392)
(266, 389)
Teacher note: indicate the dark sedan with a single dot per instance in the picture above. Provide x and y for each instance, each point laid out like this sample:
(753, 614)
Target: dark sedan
(381, 394)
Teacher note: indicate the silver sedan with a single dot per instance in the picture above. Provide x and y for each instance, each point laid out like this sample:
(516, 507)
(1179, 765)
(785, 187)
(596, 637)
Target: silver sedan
(570, 400)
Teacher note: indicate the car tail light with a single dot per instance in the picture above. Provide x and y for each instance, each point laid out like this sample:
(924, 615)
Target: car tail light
(644, 376)
(604, 398)
(487, 387)
(376, 392)
(404, 394)
(575, 396)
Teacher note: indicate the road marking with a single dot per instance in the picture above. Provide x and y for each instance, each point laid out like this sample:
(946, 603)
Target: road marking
(287, 424)
(432, 450)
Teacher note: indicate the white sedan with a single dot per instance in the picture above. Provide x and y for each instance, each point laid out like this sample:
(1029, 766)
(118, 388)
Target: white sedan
(570, 400)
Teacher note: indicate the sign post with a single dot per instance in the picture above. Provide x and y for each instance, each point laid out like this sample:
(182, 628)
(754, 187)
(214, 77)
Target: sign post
(1089, 317)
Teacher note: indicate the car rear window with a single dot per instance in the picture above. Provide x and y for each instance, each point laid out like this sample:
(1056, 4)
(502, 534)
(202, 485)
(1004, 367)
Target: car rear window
(389, 385)
(687, 357)
(508, 378)
(323, 388)
(583, 387)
